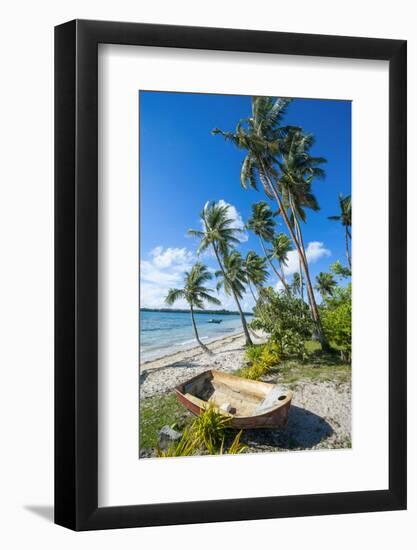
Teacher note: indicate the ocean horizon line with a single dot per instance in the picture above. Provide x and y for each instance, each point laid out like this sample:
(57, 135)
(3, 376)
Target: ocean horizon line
(203, 311)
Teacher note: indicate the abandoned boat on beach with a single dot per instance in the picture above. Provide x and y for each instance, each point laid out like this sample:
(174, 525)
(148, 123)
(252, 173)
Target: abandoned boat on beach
(248, 403)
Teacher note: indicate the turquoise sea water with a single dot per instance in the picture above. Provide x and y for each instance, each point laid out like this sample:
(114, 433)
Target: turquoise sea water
(162, 333)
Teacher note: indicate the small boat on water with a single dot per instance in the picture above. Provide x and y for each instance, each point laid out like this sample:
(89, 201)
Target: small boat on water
(217, 321)
(248, 403)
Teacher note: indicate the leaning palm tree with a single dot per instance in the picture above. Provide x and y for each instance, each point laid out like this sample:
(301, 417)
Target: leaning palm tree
(345, 217)
(262, 224)
(233, 276)
(262, 137)
(220, 234)
(256, 272)
(281, 245)
(325, 284)
(195, 294)
(298, 168)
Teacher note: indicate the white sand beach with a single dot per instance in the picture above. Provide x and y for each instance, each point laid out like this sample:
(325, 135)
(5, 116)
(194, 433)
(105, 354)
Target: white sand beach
(320, 414)
(162, 375)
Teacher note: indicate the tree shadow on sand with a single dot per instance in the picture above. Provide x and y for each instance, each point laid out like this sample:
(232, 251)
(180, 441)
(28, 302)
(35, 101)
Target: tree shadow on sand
(304, 430)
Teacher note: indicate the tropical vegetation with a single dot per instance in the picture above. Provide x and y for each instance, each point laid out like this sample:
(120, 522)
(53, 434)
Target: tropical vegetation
(195, 294)
(305, 321)
(256, 272)
(345, 218)
(221, 235)
(206, 434)
(278, 160)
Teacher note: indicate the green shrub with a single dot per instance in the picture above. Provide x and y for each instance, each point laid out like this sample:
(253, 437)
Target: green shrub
(252, 353)
(270, 355)
(210, 427)
(256, 371)
(236, 447)
(186, 446)
(336, 317)
(207, 433)
(292, 343)
(285, 318)
(261, 359)
(340, 271)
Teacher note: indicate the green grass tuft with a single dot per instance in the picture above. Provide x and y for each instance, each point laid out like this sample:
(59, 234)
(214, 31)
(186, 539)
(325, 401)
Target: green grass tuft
(205, 434)
(159, 411)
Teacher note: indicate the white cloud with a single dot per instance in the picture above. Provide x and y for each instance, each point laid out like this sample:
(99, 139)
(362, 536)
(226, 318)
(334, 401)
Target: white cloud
(164, 270)
(314, 252)
(237, 221)
(279, 286)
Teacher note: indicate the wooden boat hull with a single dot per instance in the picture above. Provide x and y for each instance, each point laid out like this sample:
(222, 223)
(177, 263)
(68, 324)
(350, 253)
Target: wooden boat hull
(250, 403)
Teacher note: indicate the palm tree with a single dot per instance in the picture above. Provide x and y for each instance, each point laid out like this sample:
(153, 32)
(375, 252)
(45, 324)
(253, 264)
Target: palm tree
(262, 137)
(325, 284)
(233, 276)
(220, 234)
(345, 205)
(255, 270)
(281, 245)
(297, 285)
(195, 294)
(340, 271)
(298, 168)
(262, 224)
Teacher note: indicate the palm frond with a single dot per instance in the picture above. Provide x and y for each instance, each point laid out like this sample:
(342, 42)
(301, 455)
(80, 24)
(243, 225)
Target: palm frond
(195, 233)
(210, 299)
(173, 295)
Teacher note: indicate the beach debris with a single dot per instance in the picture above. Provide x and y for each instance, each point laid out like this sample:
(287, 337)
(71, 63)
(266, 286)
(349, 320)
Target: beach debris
(167, 436)
(226, 407)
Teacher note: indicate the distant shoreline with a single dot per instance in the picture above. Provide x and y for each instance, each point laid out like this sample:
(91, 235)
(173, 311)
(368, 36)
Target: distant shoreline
(203, 311)
(147, 357)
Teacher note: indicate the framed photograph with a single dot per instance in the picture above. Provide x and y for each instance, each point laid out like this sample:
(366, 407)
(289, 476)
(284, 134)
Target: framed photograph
(230, 244)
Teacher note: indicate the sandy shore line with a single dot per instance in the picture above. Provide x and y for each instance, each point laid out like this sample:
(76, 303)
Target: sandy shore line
(189, 352)
(162, 375)
(320, 414)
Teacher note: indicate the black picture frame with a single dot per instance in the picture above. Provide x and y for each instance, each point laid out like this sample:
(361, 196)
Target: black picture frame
(76, 272)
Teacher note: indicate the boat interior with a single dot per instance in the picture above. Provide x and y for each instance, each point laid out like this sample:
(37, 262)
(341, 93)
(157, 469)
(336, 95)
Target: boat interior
(233, 395)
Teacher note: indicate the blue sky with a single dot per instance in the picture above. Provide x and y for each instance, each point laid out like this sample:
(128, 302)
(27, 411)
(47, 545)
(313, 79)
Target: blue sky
(182, 166)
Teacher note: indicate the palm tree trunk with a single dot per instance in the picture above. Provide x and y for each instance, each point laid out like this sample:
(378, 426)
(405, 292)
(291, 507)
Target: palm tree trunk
(299, 234)
(243, 321)
(280, 277)
(300, 267)
(349, 259)
(301, 241)
(242, 317)
(300, 270)
(313, 305)
(310, 293)
(200, 343)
